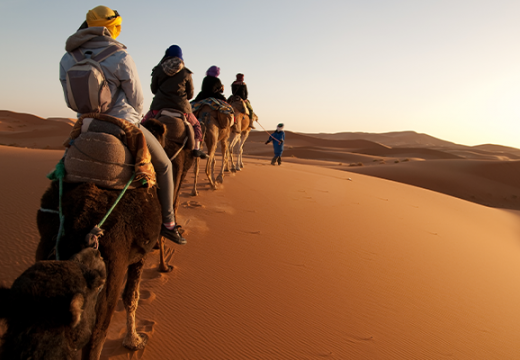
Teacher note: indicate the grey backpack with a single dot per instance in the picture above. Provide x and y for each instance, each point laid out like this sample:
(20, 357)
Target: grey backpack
(87, 88)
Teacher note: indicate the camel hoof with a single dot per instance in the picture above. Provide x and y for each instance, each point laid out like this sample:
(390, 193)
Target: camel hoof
(220, 180)
(194, 193)
(227, 170)
(165, 269)
(239, 169)
(135, 342)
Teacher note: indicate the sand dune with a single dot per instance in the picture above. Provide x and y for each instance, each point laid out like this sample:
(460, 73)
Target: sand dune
(304, 261)
(26, 130)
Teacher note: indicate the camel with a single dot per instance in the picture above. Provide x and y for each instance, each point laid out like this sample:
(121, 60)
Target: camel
(213, 134)
(131, 231)
(50, 309)
(240, 133)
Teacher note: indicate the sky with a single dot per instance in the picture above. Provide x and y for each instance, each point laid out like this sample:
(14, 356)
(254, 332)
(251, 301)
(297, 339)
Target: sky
(450, 69)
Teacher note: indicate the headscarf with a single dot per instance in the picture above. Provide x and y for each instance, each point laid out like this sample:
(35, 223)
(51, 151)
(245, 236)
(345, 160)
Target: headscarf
(240, 77)
(279, 127)
(213, 71)
(104, 16)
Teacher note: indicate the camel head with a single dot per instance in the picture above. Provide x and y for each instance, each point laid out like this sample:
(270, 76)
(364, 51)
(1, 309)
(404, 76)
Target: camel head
(50, 309)
(158, 129)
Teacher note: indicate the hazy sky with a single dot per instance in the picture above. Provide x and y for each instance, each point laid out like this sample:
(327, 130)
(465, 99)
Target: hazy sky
(450, 69)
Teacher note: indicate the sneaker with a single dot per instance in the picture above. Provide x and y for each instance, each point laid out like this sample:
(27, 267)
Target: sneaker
(173, 234)
(199, 154)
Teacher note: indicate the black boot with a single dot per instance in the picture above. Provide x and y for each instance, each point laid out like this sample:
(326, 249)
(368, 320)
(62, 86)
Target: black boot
(273, 162)
(199, 154)
(173, 234)
(279, 160)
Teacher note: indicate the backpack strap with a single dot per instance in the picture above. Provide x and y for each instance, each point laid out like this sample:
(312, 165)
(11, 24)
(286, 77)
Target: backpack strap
(78, 55)
(106, 53)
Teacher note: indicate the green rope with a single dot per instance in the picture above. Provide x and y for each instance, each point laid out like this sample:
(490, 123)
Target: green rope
(58, 174)
(117, 200)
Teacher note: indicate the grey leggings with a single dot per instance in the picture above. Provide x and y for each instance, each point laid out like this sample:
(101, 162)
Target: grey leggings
(163, 172)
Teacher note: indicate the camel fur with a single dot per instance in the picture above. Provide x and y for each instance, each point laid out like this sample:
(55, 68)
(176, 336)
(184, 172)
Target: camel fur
(50, 310)
(213, 134)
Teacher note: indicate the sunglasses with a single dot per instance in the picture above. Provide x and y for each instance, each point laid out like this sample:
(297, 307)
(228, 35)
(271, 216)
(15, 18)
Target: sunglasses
(116, 15)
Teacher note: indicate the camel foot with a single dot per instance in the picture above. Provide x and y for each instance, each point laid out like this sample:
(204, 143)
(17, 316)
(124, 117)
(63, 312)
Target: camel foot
(135, 341)
(194, 193)
(239, 169)
(220, 179)
(165, 268)
(227, 170)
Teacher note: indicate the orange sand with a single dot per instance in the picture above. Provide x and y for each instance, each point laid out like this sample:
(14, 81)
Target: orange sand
(305, 261)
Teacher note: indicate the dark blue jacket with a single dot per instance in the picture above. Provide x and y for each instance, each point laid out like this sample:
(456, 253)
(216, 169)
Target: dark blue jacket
(277, 147)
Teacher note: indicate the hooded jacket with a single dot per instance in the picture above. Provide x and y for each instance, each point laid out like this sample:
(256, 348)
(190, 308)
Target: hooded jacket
(119, 70)
(172, 86)
(211, 87)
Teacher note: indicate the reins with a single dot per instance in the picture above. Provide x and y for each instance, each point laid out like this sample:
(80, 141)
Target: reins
(96, 232)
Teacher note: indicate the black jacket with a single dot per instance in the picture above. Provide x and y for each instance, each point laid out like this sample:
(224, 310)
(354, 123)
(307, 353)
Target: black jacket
(172, 91)
(239, 89)
(211, 87)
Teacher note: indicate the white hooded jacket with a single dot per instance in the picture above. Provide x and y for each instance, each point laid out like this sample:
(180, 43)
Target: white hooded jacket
(119, 69)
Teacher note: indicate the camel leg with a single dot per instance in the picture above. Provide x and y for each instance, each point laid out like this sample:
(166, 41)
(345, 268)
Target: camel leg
(231, 149)
(133, 340)
(224, 148)
(163, 266)
(210, 166)
(240, 163)
(106, 305)
(196, 172)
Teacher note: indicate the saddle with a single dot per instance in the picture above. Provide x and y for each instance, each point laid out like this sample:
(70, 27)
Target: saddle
(180, 130)
(225, 113)
(104, 153)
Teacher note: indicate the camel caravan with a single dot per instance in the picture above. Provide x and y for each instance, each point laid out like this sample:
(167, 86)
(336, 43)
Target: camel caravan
(114, 195)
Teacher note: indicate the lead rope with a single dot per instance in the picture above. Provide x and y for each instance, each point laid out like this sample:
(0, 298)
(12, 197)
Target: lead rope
(96, 232)
(58, 174)
(267, 131)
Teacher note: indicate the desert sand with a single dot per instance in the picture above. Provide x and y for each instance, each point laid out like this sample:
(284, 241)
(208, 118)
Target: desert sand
(412, 255)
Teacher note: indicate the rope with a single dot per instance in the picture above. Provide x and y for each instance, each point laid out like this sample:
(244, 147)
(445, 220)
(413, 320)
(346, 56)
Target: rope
(267, 131)
(59, 174)
(180, 149)
(93, 236)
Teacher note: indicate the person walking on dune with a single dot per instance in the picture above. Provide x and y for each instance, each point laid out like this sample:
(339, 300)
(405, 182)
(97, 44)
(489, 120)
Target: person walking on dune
(278, 138)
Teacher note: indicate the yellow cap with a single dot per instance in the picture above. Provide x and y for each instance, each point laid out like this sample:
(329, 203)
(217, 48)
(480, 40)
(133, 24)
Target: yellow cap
(104, 16)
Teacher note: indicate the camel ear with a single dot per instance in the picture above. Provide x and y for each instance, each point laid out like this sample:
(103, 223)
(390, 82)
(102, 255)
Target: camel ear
(76, 309)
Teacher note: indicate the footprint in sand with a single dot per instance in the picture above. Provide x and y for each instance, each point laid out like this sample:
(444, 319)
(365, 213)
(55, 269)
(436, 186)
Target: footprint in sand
(192, 204)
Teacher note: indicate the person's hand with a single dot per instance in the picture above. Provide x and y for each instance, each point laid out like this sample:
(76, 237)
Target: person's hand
(267, 142)
(279, 143)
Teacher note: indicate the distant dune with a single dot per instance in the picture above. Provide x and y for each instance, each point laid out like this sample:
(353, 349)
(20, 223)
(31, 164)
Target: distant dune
(336, 254)
(26, 130)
